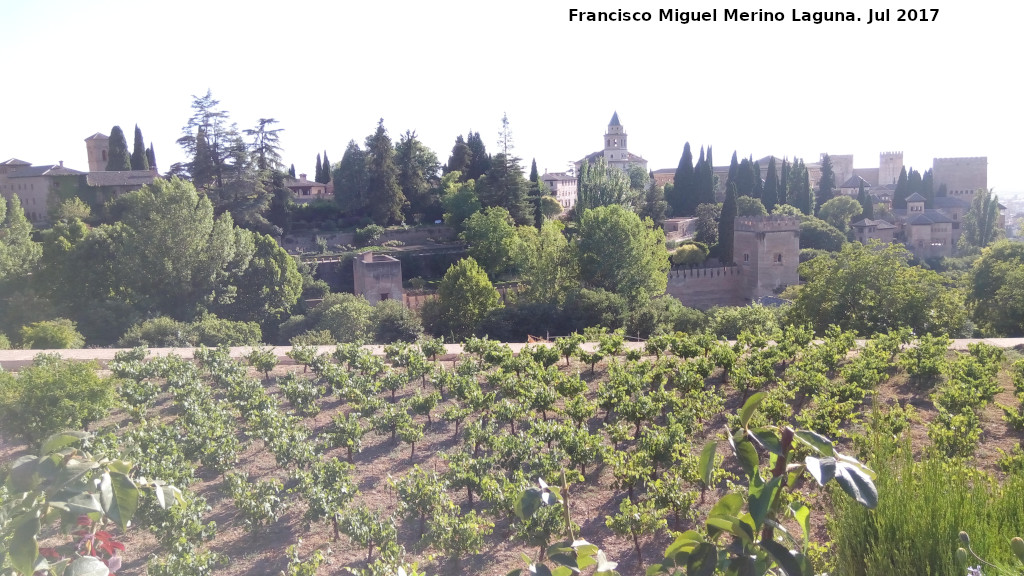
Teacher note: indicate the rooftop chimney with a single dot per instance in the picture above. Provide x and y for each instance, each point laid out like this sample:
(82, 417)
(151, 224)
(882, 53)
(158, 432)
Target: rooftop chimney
(302, 176)
(61, 163)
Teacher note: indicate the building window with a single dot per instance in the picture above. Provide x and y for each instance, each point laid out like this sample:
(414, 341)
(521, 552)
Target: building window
(746, 258)
(385, 296)
(104, 155)
(778, 258)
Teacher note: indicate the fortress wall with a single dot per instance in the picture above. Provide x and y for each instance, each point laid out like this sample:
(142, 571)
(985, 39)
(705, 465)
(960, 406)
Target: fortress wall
(962, 176)
(703, 288)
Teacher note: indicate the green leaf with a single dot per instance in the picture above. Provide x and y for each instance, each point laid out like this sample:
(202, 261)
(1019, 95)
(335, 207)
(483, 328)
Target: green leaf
(706, 465)
(767, 439)
(802, 514)
(749, 407)
(61, 440)
(120, 498)
(783, 557)
(703, 560)
(761, 499)
(562, 571)
(741, 566)
(822, 469)
(527, 504)
(857, 484)
(542, 570)
(729, 505)
(84, 503)
(87, 566)
(516, 572)
(22, 477)
(746, 454)
(24, 547)
(819, 443)
(1017, 546)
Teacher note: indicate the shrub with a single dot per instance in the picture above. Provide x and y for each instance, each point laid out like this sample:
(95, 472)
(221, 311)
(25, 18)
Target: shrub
(51, 335)
(368, 235)
(393, 322)
(53, 395)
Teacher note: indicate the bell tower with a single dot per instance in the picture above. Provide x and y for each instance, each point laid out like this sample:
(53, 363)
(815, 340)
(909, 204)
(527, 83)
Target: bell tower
(615, 152)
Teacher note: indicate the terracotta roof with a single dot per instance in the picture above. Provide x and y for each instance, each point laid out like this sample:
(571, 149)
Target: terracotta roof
(49, 170)
(15, 162)
(950, 202)
(915, 197)
(593, 156)
(920, 220)
(880, 224)
(98, 136)
(302, 183)
(557, 176)
(121, 178)
(855, 182)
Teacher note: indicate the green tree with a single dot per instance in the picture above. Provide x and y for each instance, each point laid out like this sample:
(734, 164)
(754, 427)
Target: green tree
(619, 252)
(460, 199)
(826, 184)
(899, 196)
(872, 289)
(393, 322)
(490, 235)
(464, 297)
(815, 233)
(683, 199)
(53, 395)
(602, 185)
(800, 193)
(265, 145)
(51, 335)
(382, 189)
(546, 263)
(770, 196)
(706, 179)
(504, 184)
(867, 207)
(995, 291)
(839, 211)
(727, 225)
(151, 158)
(327, 169)
(267, 287)
(784, 197)
(18, 253)
(319, 169)
(417, 176)
(750, 206)
(479, 161)
(118, 157)
(981, 223)
(653, 204)
(208, 140)
(351, 181)
(460, 157)
(708, 216)
(139, 158)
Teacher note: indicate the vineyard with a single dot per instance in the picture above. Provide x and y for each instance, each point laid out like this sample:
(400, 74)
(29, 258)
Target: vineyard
(420, 458)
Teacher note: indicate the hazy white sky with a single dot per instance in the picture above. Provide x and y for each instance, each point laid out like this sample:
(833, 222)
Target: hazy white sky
(328, 70)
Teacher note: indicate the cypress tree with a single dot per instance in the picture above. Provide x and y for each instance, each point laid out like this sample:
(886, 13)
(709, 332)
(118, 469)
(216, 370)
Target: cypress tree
(866, 206)
(327, 170)
(706, 193)
(386, 198)
(758, 191)
(805, 188)
(319, 170)
(784, 183)
(479, 161)
(770, 196)
(682, 199)
(140, 161)
(745, 178)
(151, 157)
(118, 157)
(291, 170)
(928, 188)
(734, 169)
(899, 197)
(727, 225)
(826, 185)
(914, 185)
(459, 160)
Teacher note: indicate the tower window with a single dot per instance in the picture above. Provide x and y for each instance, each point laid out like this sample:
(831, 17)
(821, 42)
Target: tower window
(746, 258)
(778, 258)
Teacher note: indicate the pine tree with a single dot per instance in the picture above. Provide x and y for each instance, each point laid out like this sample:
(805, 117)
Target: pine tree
(682, 199)
(140, 161)
(479, 161)
(899, 197)
(118, 158)
(202, 167)
(350, 181)
(827, 183)
(327, 169)
(319, 175)
(866, 206)
(459, 160)
(151, 157)
(770, 196)
(727, 225)
(385, 196)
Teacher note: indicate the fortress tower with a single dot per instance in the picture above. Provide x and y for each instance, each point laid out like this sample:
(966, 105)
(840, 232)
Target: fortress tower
(96, 146)
(767, 251)
(890, 164)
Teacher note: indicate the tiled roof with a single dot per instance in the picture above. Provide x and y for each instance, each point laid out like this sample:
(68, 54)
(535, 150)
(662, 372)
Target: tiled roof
(855, 182)
(879, 224)
(15, 162)
(98, 136)
(48, 170)
(938, 217)
(557, 176)
(615, 119)
(120, 178)
(920, 220)
(950, 202)
(915, 197)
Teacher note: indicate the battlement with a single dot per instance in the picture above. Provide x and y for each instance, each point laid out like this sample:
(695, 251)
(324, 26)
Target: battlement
(773, 223)
(896, 153)
(687, 272)
(963, 160)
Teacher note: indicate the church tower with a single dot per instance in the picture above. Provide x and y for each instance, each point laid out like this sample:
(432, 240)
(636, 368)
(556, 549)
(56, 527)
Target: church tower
(97, 146)
(615, 152)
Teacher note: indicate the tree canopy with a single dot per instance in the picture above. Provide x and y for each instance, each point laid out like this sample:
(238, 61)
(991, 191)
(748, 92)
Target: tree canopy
(620, 253)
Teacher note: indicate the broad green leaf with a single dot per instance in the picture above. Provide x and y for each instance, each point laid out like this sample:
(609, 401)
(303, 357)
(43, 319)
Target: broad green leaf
(857, 484)
(87, 566)
(802, 514)
(120, 498)
(703, 560)
(706, 466)
(767, 439)
(761, 499)
(516, 572)
(729, 505)
(24, 547)
(856, 464)
(723, 522)
(816, 441)
(61, 440)
(542, 570)
(746, 454)
(783, 557)
(749, 407)
(563, 559)
(822, 469)
(743, 529)
(562, 571)
(22, 477)
(741, 566)
(1017, 546)
(84, 503)
(527, 504)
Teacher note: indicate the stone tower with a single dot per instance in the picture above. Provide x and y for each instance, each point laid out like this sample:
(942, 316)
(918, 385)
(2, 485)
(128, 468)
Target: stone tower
(767, 251)
(615, 152)
(96, 146)
(890, 164)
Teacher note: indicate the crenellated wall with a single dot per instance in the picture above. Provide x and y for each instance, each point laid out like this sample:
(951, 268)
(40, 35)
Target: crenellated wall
(706, 287)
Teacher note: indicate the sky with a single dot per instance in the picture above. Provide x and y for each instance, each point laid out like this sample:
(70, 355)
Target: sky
(327, 71)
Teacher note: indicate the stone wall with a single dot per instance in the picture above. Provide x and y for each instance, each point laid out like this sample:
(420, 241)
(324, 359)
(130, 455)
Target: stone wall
(704, 288)
(377, 277)
(962, 176)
